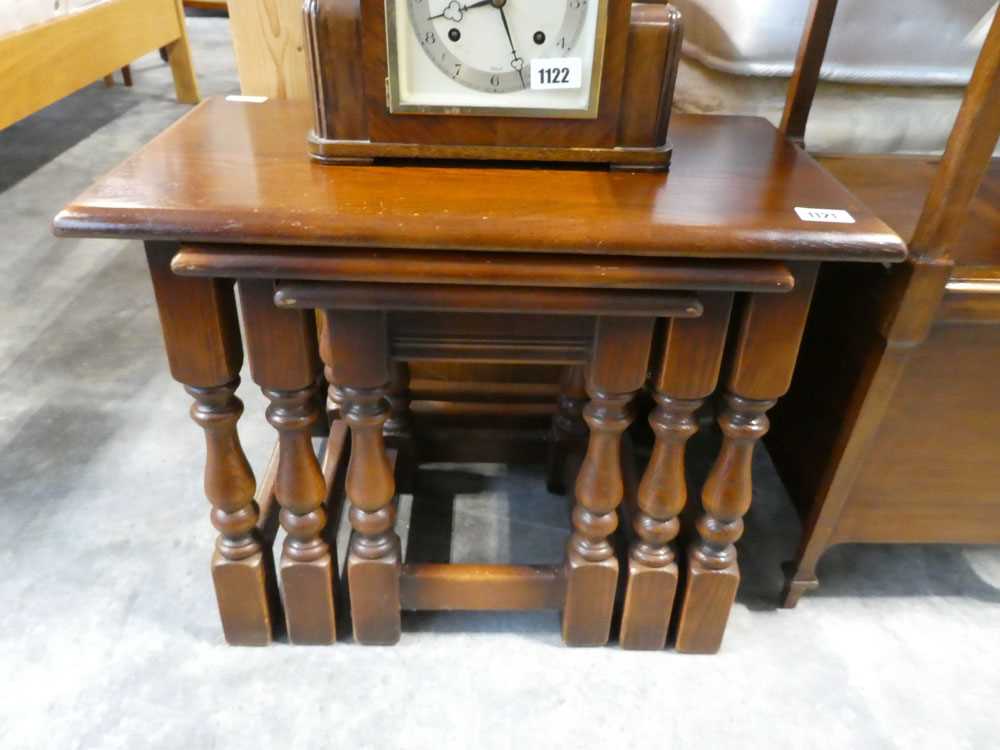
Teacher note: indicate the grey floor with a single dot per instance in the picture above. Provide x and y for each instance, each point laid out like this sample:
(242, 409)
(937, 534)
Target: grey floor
(108, 631)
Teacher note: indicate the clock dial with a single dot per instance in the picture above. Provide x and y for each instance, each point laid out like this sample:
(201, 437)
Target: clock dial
(514, 58)
(488, 45)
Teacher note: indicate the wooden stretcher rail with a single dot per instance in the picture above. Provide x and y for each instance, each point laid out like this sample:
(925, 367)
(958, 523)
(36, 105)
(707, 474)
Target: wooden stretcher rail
(454, 586)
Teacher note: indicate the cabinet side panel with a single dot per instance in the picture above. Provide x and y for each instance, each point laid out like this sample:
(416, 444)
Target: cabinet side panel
(932, 472)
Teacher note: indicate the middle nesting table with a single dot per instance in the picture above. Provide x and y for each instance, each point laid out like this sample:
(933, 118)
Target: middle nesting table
(599, 314)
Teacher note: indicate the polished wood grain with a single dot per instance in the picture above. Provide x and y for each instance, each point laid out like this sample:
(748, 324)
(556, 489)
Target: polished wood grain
(895, 188)
(348, 66)
(966, 158)
(501, 269)
(283, 361)
(474, 586)
(654, 49)
(450, 297)
(944, 489)
(921, 337)
(202, 341)
(357, 342)
(337, 91)
(229, 172)
(688, 373)
(481, 338)
(617, 369)
(805, 78)
(569, 431)
(760, 372)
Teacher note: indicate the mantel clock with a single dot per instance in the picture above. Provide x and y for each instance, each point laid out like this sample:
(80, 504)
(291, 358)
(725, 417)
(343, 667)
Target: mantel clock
(538, 80)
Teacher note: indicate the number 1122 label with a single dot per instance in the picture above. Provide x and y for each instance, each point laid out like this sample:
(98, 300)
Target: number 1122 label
(556, 73)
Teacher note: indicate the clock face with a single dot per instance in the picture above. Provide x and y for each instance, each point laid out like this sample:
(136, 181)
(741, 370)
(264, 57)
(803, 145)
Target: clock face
(537, 58)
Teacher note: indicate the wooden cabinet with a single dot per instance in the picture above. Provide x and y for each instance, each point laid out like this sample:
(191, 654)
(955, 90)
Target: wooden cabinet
(890, 430)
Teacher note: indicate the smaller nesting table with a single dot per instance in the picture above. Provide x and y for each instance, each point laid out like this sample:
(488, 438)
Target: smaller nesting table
(483, 264)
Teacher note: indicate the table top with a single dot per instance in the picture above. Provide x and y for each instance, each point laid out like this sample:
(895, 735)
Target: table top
(238, 172)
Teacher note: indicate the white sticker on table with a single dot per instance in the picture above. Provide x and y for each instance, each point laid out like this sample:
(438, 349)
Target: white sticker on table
(556, 73)
(824, 215)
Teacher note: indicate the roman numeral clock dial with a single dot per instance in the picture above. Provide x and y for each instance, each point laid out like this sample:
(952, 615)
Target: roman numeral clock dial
(534, 58)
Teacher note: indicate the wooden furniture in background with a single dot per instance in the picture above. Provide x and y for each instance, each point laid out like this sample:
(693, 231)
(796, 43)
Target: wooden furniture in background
(220, 5)
(41, 64)
(722, 220)
(897, 372)
(269, 40)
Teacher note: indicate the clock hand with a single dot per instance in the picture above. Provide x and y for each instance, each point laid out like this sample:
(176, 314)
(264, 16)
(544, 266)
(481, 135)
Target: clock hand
(515, 59)
(454, 7)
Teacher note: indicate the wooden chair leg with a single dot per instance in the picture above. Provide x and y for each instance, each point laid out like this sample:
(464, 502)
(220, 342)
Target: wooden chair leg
(202, 340)
(283, 360)
(617, 370)
(356, 343)
(179, 57)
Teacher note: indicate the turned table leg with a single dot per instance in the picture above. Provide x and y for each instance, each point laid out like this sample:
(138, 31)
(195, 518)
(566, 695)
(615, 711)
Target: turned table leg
(398, 427)
(617, 370)
(763, 361)
(283, 361)
(202, 339)
(568, 426)
(688, 373)
(358, 351)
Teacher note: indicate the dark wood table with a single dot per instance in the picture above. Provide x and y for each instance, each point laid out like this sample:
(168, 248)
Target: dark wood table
(465, 263)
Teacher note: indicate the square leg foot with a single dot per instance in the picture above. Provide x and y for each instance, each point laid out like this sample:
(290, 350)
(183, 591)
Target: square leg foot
(797, 582)
(309, 605)
(590, 599)
(708, 597)
(649, 601)
(375, 605)
(244, 592)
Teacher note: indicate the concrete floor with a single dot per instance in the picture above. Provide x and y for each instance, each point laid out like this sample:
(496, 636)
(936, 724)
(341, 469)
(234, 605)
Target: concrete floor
(108, 630)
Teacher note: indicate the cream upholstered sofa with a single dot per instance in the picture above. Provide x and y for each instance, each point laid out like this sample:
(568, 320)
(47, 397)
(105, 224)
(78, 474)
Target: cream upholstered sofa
(893, 76)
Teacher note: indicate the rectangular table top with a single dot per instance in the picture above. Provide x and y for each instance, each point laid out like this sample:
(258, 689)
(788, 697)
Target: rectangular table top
(238, 172)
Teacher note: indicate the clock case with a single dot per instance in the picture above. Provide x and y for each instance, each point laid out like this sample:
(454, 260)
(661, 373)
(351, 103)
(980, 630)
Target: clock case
(348, 68)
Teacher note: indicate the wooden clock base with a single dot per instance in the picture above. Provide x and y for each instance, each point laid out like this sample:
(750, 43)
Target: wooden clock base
(353, 124)
(365, 152)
